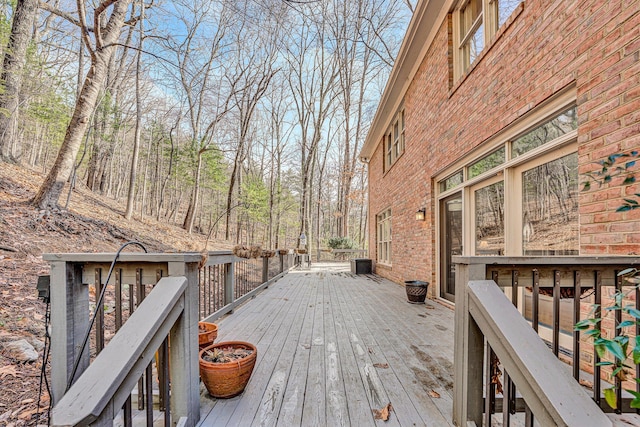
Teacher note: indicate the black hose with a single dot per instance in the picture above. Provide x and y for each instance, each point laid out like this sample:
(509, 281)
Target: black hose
(95, 312)
(45, 360)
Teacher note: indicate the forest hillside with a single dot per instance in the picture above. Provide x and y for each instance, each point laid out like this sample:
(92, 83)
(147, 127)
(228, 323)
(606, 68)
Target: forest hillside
(91, 223)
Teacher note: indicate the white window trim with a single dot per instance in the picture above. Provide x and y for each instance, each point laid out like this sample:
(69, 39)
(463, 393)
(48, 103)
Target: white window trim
(379, 242)
(397, 142)
(488, 18)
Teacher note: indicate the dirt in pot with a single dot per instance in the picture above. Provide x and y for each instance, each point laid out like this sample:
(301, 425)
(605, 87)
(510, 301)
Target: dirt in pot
(226, 354)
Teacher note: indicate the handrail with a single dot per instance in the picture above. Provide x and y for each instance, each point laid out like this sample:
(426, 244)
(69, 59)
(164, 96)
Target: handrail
(105, 385)
(545, 384)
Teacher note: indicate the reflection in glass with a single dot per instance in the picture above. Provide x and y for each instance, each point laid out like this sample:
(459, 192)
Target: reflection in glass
(476, 44)
(505, 9)
(451, 243)
(486, 163)
(489, 219)
(554, 128)
(550, 208)
(451, 182)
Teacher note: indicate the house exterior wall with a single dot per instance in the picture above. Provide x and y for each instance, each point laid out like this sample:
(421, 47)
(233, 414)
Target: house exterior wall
(591, 47)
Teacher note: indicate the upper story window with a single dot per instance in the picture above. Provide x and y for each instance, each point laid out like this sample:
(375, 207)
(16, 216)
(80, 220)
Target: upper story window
(475, 23)
(394, 141)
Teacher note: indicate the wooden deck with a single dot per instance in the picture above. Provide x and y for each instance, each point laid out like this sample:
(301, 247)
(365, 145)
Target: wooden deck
(332, 347)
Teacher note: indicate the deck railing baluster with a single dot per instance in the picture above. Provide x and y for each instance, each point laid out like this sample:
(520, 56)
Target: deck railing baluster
(139, 298)
(637, 330)
(577, 292)
(597, 386)
(555, 341)
(535, 300)
(618, 317)
(99, 325)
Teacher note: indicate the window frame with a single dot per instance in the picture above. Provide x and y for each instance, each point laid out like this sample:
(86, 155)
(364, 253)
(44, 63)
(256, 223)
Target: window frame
(510, 170)
(384, 237)
(488, 18)
(394, 140)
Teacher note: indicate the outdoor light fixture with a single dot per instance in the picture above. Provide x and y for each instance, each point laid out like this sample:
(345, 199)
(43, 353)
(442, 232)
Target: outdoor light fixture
(420, 214)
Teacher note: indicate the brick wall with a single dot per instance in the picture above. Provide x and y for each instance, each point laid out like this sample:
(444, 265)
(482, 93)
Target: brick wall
(545, 47)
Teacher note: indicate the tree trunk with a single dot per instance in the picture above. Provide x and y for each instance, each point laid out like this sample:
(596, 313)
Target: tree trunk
(15, 59)
(191, 211)
(49, 193)
(136, 139)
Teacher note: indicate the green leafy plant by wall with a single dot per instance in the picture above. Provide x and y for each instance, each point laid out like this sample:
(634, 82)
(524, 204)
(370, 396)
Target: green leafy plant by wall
(620, 353)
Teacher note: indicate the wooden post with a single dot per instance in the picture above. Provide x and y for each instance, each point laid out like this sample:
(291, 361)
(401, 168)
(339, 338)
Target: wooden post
(281, 262)
(69, 320)
(265, 270)
(185, 384)
(468, 351)
(229, 283)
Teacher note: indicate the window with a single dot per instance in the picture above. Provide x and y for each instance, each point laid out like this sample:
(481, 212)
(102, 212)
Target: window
(475, 23)
(384, 237)
(451, 182)
(550, 208)
(394, 141)
(486, 163)
(522, 192)
(559, 125)
(489, 219)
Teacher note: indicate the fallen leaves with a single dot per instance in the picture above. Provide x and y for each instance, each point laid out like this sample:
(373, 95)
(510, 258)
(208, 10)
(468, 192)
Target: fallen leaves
(587, 384)
(26, 415)
(381, 365)
(8, 370)
(382, 414)
(434, 394)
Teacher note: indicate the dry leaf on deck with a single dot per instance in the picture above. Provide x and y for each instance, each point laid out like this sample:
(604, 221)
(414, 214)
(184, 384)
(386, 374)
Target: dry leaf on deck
(587, 384)
(381, 365)
(383, 414)
(434, 393)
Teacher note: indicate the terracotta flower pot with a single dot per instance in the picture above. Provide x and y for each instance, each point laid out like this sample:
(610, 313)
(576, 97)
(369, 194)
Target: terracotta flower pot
(207, 334)
(227, 379)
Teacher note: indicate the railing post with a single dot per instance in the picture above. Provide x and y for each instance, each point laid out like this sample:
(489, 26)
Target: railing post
(265, 269)
(229, 283)
(69, 322)
(468, 351)
(281, 262)
(185, 378)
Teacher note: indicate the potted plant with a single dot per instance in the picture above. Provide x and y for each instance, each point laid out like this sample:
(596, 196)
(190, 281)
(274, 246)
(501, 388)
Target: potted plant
(207, 334)
(225, 368)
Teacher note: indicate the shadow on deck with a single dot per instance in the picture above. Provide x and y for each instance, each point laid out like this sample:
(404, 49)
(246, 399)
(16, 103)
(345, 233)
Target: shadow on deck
(332, 347)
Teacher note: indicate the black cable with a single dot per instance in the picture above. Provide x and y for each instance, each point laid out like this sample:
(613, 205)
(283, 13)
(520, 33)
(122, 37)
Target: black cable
(45, 360)
(95, 312)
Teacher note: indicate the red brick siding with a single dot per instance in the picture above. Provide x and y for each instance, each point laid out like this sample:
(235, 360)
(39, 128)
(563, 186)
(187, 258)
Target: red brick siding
(547, 46)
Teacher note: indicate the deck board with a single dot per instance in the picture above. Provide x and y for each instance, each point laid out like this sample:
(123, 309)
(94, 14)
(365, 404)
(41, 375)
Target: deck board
(319, 333)
(332, 347)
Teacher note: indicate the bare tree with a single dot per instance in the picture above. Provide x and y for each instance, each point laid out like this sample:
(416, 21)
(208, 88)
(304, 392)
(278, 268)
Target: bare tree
(312, 79)
(106, 32)
(254, 70)
(138, 129)
(15, 58)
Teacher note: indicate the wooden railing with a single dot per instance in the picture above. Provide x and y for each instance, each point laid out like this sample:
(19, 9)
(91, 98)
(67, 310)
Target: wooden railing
(338, 255)
(104, 387)
(490, 331)
(211, 291)
(227, 281)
